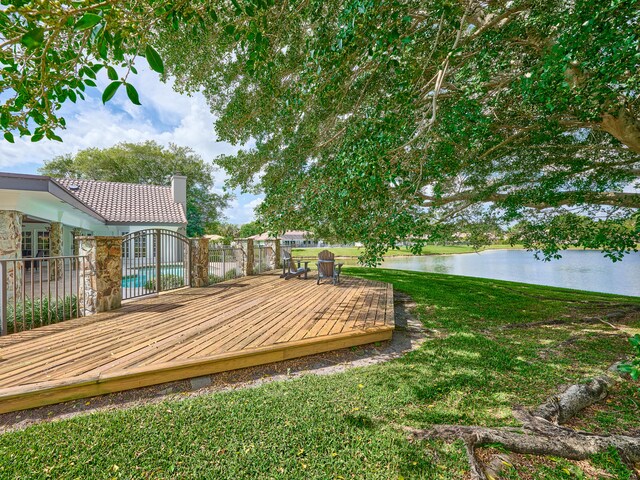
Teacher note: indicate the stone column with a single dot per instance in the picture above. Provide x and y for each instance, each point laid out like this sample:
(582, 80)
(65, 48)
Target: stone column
(100, 274)
(199, 262)
(248, 250)
(11, 248)
(273, 261)
(56, 269)
(277, 259)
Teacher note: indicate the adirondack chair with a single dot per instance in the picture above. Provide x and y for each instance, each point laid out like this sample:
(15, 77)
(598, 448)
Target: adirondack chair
(328, 268)
(291, 270)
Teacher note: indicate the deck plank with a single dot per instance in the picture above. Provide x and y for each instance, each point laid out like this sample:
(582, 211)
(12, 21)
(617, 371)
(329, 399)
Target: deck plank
(242, 322)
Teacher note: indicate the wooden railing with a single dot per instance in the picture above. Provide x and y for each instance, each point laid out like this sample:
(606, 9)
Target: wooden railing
(39, 291)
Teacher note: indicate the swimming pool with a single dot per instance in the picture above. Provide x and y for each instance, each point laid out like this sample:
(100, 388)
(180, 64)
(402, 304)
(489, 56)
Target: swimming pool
(143, 275)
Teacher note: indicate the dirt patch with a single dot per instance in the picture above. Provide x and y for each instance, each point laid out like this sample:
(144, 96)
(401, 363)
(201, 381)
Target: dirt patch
(408, 335)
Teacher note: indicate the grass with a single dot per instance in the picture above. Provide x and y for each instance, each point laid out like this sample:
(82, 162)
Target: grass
(403, 251)
(341, 426)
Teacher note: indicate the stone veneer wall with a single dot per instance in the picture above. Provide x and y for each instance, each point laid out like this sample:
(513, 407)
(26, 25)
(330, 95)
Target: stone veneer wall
(247, 248)
(273, 261)
(199, 262)
(100, 274)
(11, 248)
(56, 268)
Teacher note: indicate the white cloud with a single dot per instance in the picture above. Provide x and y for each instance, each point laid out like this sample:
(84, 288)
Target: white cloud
(242, 209)
(165, 116)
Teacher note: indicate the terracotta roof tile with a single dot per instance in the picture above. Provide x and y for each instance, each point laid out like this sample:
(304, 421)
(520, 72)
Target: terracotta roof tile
(127, 202)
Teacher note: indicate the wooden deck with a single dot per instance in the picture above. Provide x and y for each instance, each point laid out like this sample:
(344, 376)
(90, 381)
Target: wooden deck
(189, 333)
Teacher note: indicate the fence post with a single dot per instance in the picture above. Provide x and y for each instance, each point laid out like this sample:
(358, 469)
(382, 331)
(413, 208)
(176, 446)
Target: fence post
(276, 254)
(199, 262)
(248, 265)
(3, 300)
(158, 252)
(100, 274)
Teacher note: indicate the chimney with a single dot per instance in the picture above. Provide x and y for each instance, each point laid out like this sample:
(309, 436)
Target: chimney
(179, 189)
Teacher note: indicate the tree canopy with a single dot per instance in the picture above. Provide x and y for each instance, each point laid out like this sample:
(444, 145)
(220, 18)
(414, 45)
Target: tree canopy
(380, 121)
(52, 52)
(249, 229)
(149, 163)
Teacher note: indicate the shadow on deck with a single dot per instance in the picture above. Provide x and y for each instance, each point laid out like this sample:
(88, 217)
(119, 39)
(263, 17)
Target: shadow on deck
(189, 333)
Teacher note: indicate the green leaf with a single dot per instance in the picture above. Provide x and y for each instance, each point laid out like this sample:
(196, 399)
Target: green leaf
(132, 93)
(53, 136)
(90, 82)
(155, 62)
(33, 38)
(88, 72)
(88, 20)
(111, 73)
(230, 29)
(9, 137)
(72, 96)
(110, 91)
(103, 49)
(37, 137)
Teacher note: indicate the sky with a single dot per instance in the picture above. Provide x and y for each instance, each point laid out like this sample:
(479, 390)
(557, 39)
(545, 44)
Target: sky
(165, 116)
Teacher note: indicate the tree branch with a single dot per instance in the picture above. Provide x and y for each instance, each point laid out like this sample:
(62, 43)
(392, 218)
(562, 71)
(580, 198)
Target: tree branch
(618, 199)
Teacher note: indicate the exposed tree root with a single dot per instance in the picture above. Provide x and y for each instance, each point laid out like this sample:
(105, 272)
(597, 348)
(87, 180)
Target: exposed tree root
(541, 432)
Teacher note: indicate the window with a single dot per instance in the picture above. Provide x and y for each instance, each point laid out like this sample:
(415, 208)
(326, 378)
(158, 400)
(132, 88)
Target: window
(43, 244)
(126, 250)
(27, 244)
(140, 246)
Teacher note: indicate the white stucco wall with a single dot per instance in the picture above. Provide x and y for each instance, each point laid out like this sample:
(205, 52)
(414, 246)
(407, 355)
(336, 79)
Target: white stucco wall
(48, 208)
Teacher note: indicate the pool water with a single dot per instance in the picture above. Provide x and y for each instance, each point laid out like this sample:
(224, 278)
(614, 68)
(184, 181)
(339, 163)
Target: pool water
(143, 275)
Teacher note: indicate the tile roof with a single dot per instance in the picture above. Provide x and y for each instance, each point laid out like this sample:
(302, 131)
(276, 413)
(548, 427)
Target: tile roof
(288, 235)
(127, 202)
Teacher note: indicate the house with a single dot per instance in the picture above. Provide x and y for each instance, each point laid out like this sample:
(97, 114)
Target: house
(41, 216)
(291, 238)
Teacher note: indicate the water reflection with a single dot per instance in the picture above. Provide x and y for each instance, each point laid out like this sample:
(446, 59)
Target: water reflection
(584, 270)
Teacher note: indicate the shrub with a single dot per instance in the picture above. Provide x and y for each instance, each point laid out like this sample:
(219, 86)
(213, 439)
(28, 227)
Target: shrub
(168, 281)
(35, 313)
(231, 274)
(633, 368)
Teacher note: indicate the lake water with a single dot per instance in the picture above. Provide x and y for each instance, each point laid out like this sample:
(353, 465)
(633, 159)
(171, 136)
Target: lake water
(583, 270)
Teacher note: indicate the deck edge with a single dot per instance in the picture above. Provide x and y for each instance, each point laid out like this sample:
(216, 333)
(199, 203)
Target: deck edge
(48, 393)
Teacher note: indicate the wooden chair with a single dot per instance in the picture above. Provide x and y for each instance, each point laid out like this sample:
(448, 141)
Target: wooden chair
(328, 268)
(291, 270)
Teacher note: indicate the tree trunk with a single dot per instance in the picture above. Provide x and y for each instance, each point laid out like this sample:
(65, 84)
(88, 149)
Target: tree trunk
(541, 432)
(625, 127)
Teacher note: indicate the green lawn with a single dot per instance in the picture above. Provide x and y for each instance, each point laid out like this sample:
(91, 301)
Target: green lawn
(428, 250)
(341, 426)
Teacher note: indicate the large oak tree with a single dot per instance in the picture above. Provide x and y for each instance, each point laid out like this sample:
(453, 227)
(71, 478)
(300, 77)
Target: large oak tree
(379, 121)
(376, 120)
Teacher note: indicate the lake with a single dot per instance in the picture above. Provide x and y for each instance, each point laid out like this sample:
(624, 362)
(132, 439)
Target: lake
(583, 270)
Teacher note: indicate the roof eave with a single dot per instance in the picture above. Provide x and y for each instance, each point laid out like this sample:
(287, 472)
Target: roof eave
(42, 183)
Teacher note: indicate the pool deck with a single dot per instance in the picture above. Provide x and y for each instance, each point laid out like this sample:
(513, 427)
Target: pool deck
(189, 333)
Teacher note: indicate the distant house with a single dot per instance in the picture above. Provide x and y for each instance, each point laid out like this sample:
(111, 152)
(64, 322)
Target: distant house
(214, 238)
(291, 238)
(41, 216)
